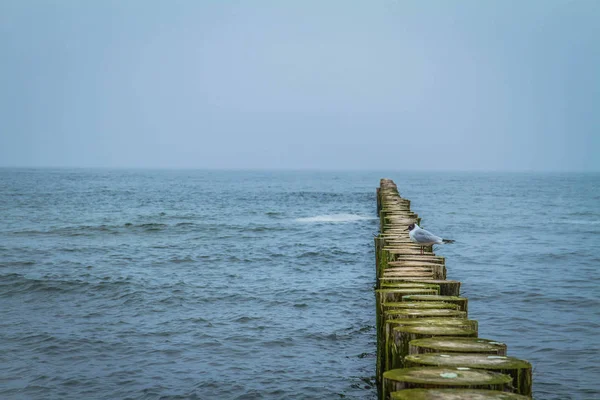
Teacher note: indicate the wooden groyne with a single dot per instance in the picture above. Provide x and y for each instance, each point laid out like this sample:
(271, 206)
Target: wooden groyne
(427, 347)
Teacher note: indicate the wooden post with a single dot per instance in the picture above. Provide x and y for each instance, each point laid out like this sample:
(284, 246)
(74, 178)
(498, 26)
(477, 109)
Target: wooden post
(519, 370)
(462, 302)
(409, 285)
(457, 345)
(409, 378)
(390, 295)
(378, 246)
(454, 394)
(419, 305)
(412, 313)
(400, 337)
(398, 333)
(447, 287)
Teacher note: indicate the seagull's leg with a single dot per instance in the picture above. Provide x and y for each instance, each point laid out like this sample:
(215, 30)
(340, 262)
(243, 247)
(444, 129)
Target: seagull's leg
(421, 250)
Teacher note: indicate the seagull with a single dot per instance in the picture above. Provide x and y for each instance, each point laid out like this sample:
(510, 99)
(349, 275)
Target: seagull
(423, 237)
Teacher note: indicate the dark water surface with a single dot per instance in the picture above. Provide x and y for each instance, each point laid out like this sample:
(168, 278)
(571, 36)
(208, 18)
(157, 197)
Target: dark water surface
(258, 285)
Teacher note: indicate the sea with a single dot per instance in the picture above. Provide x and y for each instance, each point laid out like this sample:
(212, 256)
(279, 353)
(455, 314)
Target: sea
(205, 284)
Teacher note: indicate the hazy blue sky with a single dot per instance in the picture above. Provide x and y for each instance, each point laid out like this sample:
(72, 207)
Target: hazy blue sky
(391, 84)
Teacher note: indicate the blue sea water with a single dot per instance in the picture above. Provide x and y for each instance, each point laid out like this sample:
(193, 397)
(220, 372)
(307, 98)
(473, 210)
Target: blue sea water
(183, 284)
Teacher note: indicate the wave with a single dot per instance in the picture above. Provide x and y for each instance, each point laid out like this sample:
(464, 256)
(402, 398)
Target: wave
(152, 226)
(91, 230)
(13, 283)
(274, 214)
(79, 230)
(335, 218)
(584, 222)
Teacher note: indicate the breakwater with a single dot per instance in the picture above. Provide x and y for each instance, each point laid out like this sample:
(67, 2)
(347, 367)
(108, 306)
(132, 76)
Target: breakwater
(427, 347)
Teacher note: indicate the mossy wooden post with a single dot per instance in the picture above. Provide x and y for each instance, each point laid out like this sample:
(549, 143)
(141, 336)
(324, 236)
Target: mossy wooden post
(401, 336)
(390, 295)
(409, 378)
(423, 313)
(454, 394)
(456, 345)
(384, 257)
(383, 296)
(409, 273)
(409, 285)
(401, 258)
(519, 370)
(395, 360)
(437, 269)
(462, 302)
(419, 305)
(447, 287)
(379, 243)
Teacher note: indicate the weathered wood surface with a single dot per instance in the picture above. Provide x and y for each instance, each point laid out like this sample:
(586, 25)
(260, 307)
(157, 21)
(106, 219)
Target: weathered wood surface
(447, 287)
(399, 337)
(456, 345)
(454, 394)
(519, 370)
(394, 351)
(447, 378)
(461, 302)
(419, 305)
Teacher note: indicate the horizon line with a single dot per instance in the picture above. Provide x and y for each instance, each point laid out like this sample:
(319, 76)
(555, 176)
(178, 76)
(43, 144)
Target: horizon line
(286, 169)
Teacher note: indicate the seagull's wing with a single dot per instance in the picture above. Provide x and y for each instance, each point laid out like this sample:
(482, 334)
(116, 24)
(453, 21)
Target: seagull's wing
(423, 236)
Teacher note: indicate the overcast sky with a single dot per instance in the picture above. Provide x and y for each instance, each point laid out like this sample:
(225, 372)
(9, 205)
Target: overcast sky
(390, 84)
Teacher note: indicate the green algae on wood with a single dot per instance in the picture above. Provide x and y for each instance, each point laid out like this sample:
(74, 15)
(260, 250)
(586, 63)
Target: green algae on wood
(437, 271)
(420, 305)
(457, 345)
(519, 370)
(379, 257)
(382, 257)
(414, 251)
(409, 285)
(401, 257)
(445, 377)
(412, 274)
(420, 278)
(383, 296)
(447, 287)
(398, 272)
(400, 337)
(409, 263)
(389, 295)
(432, 321)
(454, 394)
(412, 285)
(396, 313)
(393, 354)
(462, 302)
(397, 295)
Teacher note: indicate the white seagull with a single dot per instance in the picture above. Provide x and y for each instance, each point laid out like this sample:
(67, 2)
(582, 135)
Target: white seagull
(423, 237)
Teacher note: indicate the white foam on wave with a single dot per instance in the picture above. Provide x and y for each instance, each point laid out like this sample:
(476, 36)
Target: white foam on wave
(335, 218)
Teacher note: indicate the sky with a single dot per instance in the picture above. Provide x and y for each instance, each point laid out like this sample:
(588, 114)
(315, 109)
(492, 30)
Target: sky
(498, 85)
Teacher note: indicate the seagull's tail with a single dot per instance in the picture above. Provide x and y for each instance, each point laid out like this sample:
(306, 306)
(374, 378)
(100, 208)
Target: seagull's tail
(447, 241)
